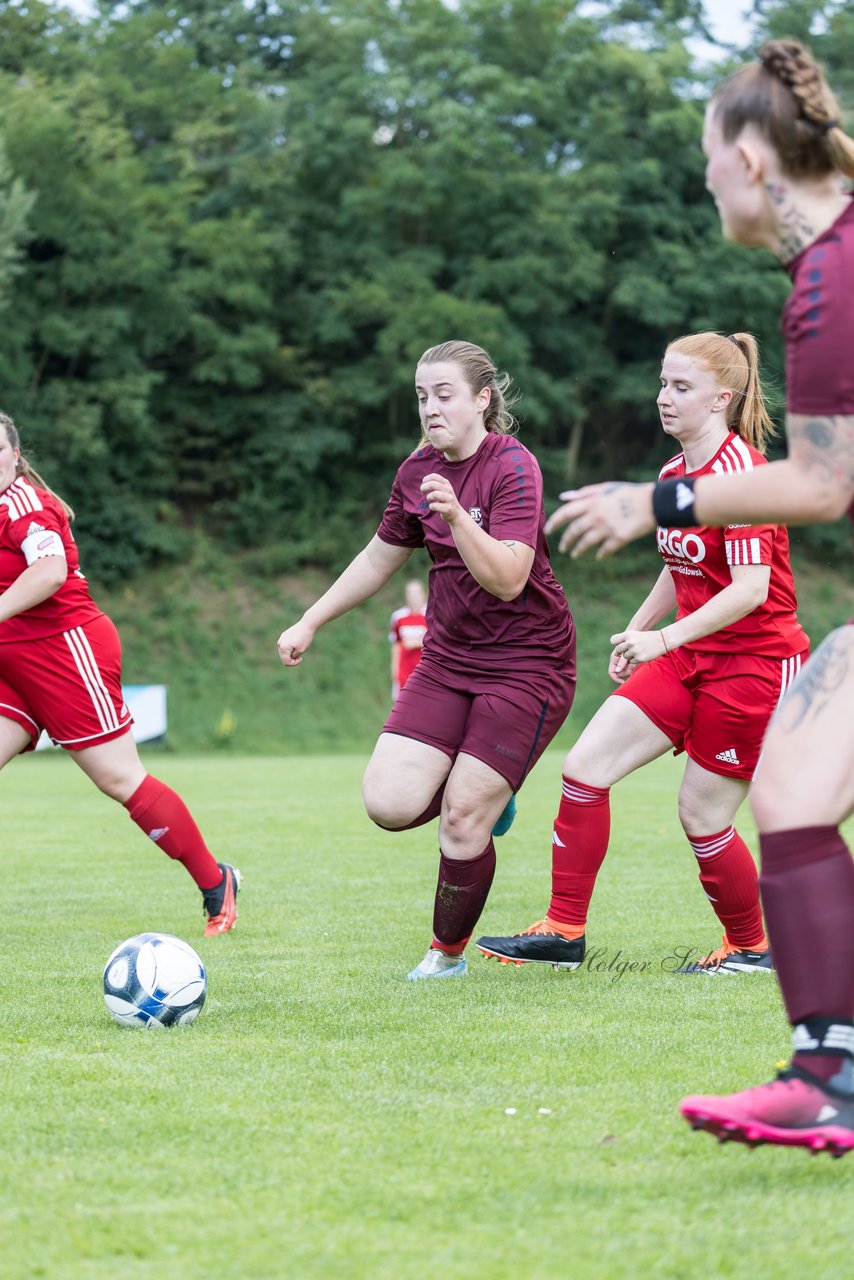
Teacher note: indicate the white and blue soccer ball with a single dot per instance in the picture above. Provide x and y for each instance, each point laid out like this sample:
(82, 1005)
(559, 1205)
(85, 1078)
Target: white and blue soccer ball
(154, 980)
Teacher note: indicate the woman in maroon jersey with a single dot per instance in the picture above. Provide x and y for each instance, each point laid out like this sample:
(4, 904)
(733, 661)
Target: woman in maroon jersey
(60, 670)
(497, 673)
(777, 153)
(705, 684)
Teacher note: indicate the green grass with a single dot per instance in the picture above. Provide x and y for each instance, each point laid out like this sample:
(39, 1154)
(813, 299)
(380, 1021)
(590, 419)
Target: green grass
(324, 1118)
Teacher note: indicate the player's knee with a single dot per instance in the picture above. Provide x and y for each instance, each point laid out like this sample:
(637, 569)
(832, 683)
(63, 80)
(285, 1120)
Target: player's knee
(460, 823)
(116, 784)
(383, 808)
(585, 766)
(693, 816)
(765, 803)
(379, 811)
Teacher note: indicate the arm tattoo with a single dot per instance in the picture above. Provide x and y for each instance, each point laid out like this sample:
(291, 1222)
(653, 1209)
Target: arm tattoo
(823, 446)
(819, 683)
(622, 491)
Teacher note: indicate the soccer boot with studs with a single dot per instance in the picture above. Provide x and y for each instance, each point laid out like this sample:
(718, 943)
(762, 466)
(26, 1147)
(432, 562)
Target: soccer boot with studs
(438, 964)
(539, 944)
(221, 901)
(795, 1110)
(729, 960)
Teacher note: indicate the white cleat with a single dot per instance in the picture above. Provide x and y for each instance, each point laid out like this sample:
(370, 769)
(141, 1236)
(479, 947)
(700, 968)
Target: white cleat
(437, 964)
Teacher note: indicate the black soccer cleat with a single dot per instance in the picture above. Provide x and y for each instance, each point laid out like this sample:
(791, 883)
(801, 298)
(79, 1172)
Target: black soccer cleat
(727, 960)
(537, 945)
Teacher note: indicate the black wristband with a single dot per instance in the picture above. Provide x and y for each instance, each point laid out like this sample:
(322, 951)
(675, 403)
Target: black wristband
(673, 503)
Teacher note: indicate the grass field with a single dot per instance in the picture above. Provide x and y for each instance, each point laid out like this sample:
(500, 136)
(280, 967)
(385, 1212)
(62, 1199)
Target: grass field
(325, 1118)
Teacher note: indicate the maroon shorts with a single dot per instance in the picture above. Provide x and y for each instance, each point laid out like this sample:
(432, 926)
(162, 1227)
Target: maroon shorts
(506, 720)
(69, 684)
(714, 706)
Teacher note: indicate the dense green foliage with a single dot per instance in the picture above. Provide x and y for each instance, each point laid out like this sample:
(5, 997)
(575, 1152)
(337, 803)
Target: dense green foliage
(226, 232)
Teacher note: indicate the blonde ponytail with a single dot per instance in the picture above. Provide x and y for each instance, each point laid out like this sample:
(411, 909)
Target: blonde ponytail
(734, 360)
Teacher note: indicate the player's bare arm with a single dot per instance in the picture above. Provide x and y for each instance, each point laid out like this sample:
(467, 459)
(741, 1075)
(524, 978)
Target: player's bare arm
(604, 516)
(501, 568)
(813, 485)
(38, 581)
(363, 577)
(747, 591)
(660, 601)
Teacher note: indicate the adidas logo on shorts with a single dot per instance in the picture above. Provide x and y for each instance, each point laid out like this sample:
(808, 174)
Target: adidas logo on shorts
(729, 756)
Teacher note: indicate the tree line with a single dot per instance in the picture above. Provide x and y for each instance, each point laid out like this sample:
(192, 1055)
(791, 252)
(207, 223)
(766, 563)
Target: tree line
(227, 232)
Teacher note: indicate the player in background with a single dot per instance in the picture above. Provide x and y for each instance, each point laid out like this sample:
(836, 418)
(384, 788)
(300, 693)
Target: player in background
(705, 684)
(407, 631)
(497, 673)
(60, 670)
(777, 154)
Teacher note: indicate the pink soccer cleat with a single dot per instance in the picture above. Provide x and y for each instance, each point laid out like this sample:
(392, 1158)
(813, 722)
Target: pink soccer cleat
(795, 1110)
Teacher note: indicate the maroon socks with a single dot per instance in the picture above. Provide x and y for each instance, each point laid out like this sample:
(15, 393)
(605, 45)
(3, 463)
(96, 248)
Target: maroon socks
(460, 898)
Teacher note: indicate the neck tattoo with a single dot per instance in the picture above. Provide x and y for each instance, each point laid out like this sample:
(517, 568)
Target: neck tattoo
(795, 232)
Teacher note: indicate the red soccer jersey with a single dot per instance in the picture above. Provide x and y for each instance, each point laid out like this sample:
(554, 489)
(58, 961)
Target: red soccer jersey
(410, 627)
(501, 487)
(700, 560)
(30, 516)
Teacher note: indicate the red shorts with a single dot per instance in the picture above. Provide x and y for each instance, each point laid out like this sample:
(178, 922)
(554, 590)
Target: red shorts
(714, 706)
(69, 684)
(505, 720)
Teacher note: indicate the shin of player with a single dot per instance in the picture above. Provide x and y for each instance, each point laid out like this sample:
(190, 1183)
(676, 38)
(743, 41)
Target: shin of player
(776, 152)
(497, 673)
(705, 684)
(60, 670)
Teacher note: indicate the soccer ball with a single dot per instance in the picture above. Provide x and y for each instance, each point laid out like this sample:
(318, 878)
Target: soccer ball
(154, 980)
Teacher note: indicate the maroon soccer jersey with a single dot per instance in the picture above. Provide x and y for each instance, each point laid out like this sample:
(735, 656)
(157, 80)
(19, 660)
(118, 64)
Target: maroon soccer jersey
(501, 488)
(29, 517)
(818, 324)
(700, 560)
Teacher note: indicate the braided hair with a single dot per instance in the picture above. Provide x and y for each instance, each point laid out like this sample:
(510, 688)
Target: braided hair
(786, 96)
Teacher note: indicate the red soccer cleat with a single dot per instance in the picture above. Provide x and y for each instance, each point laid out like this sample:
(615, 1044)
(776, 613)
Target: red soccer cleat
(221, 902)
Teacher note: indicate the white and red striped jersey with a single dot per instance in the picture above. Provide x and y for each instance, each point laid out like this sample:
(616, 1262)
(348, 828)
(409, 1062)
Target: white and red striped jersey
(32, 525)
(700, 560)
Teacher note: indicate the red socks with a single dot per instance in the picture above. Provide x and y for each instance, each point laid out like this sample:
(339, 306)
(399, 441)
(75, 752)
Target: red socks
(579, 844)
(162, 815)
(460, 898)
(731, 883)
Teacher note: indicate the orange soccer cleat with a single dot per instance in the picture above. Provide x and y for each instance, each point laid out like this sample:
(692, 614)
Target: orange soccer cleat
(221, 902)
